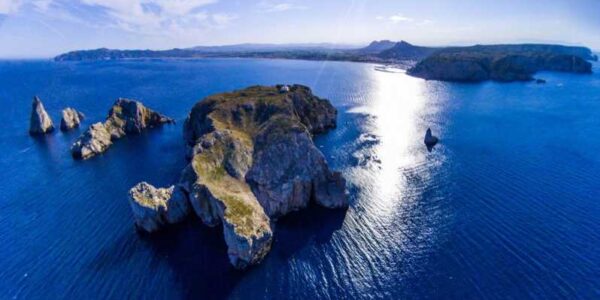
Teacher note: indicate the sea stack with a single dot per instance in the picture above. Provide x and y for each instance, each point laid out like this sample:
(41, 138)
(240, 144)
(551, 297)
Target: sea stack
(154, 207)
(39, 122)
(125, 117)
(252, 160)
(430, 140)
(70, 119)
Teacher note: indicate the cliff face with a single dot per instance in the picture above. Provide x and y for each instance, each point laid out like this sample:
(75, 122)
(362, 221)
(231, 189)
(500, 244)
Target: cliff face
(501, 63)
(252, 159)
(125, 117)
(153, 208)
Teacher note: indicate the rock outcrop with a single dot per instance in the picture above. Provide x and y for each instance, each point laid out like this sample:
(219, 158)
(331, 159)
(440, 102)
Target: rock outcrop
(39, 122)
(154, 207)
(125, 117)
(430, 140)
(92, 142)
(70, 119)
(252, 159)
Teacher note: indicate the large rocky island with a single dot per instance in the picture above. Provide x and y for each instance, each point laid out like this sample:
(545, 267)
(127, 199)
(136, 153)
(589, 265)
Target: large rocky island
(251, 160)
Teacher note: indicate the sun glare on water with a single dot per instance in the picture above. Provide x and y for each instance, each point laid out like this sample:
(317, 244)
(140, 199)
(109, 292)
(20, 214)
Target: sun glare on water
(397, 108)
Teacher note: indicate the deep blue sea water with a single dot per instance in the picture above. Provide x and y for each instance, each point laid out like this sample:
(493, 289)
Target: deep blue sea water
(507, 206)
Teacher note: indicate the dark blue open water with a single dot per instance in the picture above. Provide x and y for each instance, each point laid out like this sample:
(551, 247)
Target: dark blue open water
(507, 206)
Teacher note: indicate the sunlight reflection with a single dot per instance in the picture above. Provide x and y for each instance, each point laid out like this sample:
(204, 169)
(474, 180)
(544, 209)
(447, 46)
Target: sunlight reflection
(397, 105)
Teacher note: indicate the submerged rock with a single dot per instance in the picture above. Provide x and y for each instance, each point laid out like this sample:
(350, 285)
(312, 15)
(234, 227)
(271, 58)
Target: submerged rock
(125, 117)
(39, 122)
(70, 119)
(155, 207)
(252, 158)
(430, 140)
(540, 81)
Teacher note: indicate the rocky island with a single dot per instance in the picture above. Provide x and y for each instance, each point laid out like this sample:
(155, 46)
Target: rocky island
(71, 119)
(252, 160)
(501, 62)
(125, 117)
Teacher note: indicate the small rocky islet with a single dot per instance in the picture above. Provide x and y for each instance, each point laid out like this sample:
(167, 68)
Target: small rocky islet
(125, 117)
(251, 160)
(71, 119)
(39, 122)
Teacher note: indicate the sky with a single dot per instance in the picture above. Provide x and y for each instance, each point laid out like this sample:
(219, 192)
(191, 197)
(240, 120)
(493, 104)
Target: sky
(44, 28)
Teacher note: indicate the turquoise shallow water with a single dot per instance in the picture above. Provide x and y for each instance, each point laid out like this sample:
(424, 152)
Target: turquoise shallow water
(506, 206)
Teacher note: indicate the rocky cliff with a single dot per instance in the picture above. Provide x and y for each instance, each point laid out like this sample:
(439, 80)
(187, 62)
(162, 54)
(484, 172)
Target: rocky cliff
(39, 122)
(252, 159)
(125, 117)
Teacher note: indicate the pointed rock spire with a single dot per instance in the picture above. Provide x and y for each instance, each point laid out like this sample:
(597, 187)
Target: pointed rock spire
(40, 122)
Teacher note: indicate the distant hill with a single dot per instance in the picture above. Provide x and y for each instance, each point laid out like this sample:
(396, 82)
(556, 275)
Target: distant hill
(376, 47)
(406, 51)
(502, 62)
(249, 47)
(473, 63)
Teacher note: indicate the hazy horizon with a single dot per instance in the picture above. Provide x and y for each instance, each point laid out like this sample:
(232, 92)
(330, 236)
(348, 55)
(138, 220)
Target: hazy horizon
(45, 28)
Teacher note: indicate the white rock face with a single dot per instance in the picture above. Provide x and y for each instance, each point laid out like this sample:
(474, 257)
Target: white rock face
(40, 122)
(70, 119)
(155, 207)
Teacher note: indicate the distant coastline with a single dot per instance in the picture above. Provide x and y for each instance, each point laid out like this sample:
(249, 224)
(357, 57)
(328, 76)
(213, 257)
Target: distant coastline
(511, 62)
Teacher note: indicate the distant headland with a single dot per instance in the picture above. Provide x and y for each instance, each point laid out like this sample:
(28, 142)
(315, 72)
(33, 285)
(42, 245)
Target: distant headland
(511, 62)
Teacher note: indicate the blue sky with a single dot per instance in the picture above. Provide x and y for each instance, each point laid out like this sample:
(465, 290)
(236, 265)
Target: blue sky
(43, 28)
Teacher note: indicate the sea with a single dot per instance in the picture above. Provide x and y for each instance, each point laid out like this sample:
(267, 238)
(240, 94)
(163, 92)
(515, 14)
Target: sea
(506, 206)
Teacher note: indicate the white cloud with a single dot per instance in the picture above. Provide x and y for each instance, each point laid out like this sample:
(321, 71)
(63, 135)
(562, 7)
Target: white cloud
(269, 6)
(399, 18)
(10, 6)
(149, 17)
(223, 19)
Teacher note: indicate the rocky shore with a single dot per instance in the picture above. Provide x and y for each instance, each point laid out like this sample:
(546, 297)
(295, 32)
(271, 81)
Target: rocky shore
(125, 117)
(252, 159)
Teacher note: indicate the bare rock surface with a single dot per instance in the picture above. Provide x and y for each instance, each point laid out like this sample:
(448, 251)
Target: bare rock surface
(39, 122)
(155, 207)
(71, 119)
(125, 117)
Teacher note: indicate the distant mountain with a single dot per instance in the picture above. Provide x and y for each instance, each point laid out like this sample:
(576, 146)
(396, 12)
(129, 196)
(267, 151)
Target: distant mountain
(376, 47)
(249, 47)
(406, 51)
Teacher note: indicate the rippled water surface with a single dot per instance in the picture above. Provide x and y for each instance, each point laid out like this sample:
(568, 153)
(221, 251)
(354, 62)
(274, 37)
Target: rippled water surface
(506, 206)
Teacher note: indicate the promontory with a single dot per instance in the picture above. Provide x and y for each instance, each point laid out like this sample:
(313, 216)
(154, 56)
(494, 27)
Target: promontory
(251, 160)
(502, 62)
